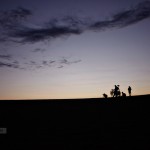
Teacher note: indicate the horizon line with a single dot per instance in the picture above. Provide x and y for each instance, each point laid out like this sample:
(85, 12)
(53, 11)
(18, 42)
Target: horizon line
(57, 99)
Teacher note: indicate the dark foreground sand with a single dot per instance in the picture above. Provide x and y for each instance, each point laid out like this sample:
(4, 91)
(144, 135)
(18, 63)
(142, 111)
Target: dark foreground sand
(101, 124)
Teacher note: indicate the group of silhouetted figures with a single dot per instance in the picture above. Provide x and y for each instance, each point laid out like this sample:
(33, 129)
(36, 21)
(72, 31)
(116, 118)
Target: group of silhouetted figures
(116, 92)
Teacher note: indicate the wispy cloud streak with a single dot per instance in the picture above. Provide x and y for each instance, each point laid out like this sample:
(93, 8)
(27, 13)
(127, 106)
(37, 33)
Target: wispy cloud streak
(39, 50)
(12, 21)
(36, 35)
(7, 57)
(13, 30)
(30, 64)
(125, 18)
(9, 65)
(67, 62)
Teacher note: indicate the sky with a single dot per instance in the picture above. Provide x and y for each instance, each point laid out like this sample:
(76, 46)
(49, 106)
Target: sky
(61, 49)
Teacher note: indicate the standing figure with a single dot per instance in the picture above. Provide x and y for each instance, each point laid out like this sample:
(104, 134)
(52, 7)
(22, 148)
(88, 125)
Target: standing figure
(116, 91)
(112, 92)
(105, 95)
(123, 94)
(129, 90)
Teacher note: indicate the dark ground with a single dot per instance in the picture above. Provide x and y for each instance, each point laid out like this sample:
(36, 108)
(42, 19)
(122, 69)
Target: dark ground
(101, 124)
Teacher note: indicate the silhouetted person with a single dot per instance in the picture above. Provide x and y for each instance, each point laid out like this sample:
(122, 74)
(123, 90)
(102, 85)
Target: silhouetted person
(123, 94)
(119, 93)
(105, 95)
(112, 92)
(116, 91)
(129, 90)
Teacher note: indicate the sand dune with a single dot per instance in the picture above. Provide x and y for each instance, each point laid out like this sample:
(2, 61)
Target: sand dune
(113, 123)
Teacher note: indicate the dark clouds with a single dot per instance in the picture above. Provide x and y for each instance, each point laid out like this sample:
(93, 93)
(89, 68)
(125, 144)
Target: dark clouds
(125, 18)
(67, 62)
(7, 61)
(12, 19)
(63, 62)
(39, 50)
(7, 57)
(9, 65)
(31, 65)
(36, 35)
(12, 28)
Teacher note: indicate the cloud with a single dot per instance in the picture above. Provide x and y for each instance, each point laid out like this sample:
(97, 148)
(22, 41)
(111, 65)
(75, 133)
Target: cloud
(125, 18)
(7, 57)
(61, 66)
(31, 35)
(52, 61)
(39, 50)
(6, 61)
(12, 19)
(12, 28)
(65, 61)
(31, 65)
(9, 65)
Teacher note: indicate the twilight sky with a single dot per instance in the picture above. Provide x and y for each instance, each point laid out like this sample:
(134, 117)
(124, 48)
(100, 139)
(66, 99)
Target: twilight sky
(73, 48)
